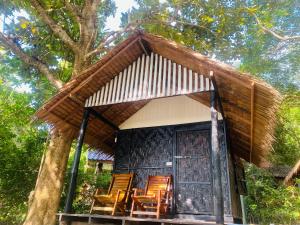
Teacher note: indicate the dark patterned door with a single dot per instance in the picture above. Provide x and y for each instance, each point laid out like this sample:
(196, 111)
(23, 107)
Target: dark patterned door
(193, 169)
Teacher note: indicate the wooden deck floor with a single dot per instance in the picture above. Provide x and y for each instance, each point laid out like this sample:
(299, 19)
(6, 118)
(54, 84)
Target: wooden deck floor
(126, 220)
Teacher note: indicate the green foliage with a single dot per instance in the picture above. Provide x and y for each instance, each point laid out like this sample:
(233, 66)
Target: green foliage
(270, 202)
(266, 56)
(87, 182)
(287, 145)
(210, 27)
(15, 74)
(21, 147)
(37, 39)
(227, 30)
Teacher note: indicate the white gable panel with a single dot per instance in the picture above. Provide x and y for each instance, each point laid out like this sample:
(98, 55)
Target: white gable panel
(168, 111)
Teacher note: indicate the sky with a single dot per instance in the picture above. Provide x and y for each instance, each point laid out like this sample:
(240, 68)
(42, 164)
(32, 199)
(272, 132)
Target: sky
(122, 6)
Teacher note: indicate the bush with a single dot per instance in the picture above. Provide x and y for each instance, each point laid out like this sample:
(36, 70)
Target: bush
(87, 182)
(86, 189)
(21, 146)
(269, 202)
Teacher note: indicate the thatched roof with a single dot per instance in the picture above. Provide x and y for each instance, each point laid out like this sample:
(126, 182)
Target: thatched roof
(279, 172)
(99, 156)
(295, 171)
(250, 104)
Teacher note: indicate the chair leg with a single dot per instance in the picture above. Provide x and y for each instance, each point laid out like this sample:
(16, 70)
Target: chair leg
(132, 208)
(158, 211)
(116, 203)
(158, 205)
(92, 206)
(114, 209)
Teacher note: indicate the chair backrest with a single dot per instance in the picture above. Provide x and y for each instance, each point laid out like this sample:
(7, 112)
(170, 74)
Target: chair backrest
(156, 183)
(120, 182)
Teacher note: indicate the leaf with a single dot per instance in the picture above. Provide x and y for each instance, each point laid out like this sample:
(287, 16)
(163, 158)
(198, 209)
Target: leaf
(208, 19)
(33, 30)
(23, 25)
(252, 9)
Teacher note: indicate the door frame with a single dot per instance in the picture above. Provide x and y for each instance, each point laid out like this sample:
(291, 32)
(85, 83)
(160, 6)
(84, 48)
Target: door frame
(201, 126)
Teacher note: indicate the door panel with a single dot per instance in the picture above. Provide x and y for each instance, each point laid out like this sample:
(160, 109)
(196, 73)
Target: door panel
(193, 169)
(194, 198)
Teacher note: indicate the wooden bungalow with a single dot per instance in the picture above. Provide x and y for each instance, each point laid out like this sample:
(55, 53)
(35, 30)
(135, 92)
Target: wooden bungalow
(279, 172)
(292, 175)
(163, 109)
(99, 161)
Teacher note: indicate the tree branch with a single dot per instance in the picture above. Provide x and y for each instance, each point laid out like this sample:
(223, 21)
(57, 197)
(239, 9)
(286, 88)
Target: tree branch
(29, 60)
(112, 36)
(88, 32)
(274, 34)
(96, 3)
(73, 10)
(57, 30)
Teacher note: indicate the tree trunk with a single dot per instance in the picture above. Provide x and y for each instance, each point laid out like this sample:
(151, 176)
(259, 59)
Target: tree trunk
(43, 204)
(46, 197)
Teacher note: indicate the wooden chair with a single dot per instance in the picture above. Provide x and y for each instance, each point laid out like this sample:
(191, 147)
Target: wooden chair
(155, 199)
(116, 197)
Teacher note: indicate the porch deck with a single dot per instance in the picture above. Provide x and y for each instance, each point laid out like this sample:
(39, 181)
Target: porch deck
(107, 219)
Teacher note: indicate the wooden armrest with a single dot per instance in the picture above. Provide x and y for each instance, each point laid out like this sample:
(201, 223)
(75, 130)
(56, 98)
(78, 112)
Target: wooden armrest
(100, 191)
(120, 190)
(169, 192)
(136, 191)
(166, 196)
(123, 191)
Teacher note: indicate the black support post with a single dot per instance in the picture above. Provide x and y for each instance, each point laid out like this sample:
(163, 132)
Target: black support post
(225, 130)
(218, 201)
(74, 172)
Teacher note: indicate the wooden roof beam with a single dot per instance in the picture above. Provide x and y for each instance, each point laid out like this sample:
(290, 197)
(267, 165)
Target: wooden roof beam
(240, 132)
(144, 47)
(219, 101)
(103, 119)
(236, 117)
(75, 127)
(66, 119)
